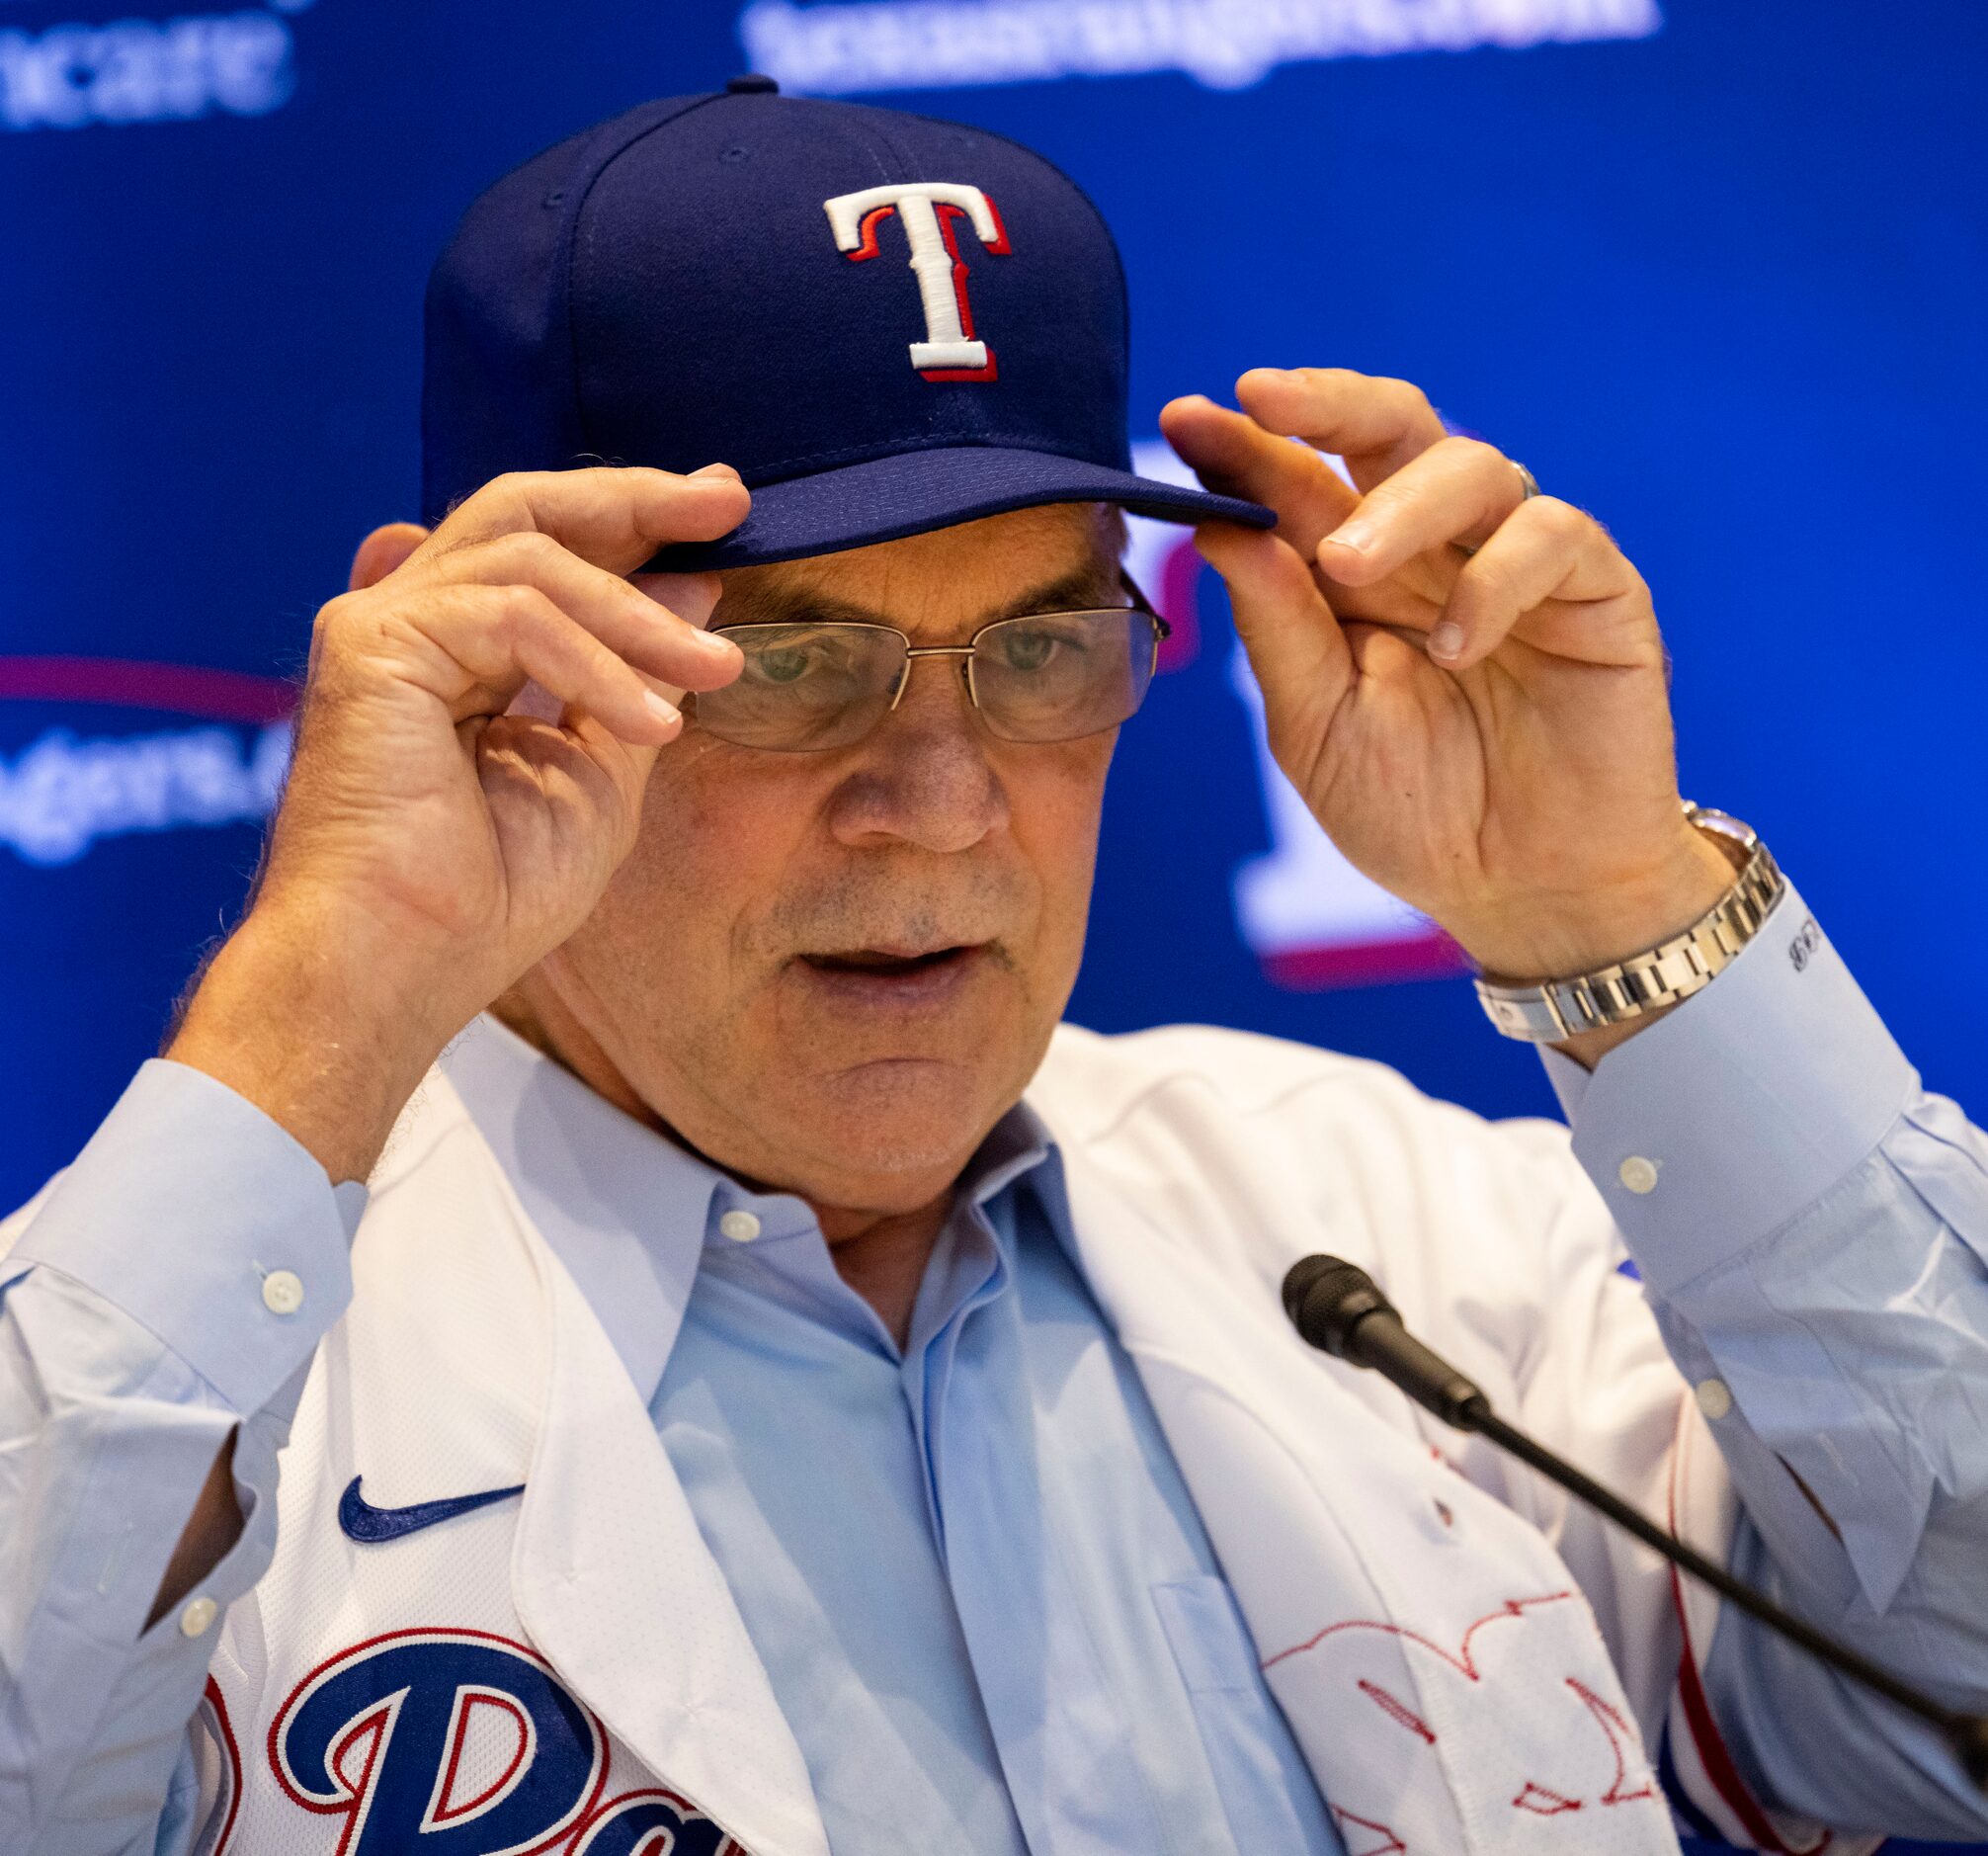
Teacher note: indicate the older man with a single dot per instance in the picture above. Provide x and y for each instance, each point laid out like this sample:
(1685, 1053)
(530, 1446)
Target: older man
(785, 1394)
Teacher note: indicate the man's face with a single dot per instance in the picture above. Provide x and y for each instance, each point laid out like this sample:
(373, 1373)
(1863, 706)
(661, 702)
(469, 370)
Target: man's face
(834, 972)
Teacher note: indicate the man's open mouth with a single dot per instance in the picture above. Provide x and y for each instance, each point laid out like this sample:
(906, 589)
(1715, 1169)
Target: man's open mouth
(888, 964)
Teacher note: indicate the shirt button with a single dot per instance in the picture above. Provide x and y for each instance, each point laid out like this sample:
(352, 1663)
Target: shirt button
(1716, 1398)
(740, 1227)
(198, 1616)
(1638, 1174)
(282, 1291)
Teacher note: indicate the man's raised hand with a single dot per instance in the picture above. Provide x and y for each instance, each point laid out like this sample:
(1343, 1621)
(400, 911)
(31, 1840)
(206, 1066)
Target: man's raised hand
(478, 722)
(1467, 684)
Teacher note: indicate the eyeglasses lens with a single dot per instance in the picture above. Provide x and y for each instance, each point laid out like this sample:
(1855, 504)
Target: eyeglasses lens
(1046, 677)
(805, 686)
(1063, 675)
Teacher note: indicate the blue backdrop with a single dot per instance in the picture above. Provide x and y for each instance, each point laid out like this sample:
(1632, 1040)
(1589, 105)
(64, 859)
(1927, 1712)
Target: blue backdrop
(1714, 273)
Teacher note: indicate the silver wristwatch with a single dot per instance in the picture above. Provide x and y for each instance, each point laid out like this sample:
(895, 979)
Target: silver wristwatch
(1557, 1009)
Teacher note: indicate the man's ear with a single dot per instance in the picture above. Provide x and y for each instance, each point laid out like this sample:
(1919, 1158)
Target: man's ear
(383, 550)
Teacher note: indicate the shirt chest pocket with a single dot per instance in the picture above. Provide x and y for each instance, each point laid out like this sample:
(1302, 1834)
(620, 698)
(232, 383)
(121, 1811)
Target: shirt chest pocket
(1267, 1793)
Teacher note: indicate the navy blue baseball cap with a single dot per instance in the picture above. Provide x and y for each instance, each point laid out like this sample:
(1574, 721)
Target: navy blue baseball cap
(884, 323)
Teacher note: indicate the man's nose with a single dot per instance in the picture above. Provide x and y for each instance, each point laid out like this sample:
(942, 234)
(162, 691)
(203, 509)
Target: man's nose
(924, 774)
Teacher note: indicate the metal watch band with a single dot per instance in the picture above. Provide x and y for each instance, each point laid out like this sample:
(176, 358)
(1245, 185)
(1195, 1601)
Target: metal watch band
(1552, 1010)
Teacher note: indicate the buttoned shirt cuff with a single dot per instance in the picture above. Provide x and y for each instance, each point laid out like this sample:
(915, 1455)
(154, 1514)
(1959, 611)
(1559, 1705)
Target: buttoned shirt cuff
(201, 1219)
(1717, 1124)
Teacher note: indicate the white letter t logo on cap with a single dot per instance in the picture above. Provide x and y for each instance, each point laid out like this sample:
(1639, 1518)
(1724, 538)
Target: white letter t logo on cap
(929, 211)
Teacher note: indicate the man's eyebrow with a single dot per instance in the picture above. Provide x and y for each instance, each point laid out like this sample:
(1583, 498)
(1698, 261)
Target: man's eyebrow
(1095, 584)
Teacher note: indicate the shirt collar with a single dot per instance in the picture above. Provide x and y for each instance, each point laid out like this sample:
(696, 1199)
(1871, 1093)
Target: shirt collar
(630, 1212)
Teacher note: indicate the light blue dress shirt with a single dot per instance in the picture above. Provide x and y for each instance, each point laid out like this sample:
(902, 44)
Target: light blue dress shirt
(1817, 1246)
(983, 1597)
(982, 1594)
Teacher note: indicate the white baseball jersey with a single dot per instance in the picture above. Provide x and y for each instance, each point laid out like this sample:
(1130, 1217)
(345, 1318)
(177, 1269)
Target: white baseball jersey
(1469, 1662)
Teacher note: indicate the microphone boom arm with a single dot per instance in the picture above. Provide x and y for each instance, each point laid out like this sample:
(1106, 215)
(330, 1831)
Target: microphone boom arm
(1337, 1307)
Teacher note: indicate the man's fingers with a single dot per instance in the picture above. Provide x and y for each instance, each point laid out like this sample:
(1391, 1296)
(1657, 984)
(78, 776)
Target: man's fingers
(1458, 490)
(1375, 424)
(631, 620)
(500, 638)
(1547, 551)
(692, 596)
(1234, 456)
(615, 518)
(1295, 645)
(569, 663)
(523, 752)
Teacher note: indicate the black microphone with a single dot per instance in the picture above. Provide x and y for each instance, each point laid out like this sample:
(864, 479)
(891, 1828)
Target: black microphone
(1338, 1308)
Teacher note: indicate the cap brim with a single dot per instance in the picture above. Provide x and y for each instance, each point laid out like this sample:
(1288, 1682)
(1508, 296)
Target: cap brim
(911, 492)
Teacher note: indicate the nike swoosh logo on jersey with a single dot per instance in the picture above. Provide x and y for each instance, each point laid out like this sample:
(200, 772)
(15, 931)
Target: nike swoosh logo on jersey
(368, 1525)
